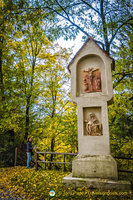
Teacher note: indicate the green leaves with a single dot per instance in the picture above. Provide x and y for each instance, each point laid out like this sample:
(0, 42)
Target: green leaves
(34, 77)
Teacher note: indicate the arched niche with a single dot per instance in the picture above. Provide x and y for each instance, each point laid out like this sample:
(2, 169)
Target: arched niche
(90, 76)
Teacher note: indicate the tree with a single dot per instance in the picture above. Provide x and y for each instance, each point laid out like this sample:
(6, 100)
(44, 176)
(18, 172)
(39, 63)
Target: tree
(13, 20)
(34, 98)
(11, 117)
(121, 112)
(105, 18)
(31, 68)
(68, 129)
(105, 21)
(67, 18)
(53, 96)
(124, 69)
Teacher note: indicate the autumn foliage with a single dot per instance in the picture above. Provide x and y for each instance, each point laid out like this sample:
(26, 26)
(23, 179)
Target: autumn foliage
(29, 184)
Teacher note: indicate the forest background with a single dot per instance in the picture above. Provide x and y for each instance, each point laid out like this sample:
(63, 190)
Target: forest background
(34, 80)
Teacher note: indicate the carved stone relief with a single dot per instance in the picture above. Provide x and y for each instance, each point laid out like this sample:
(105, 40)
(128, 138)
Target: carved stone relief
(93, 126)
(91, 80)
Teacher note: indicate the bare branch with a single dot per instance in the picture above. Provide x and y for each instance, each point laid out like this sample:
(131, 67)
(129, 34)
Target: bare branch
(68, 19)
(88, 4)
(63, 9)
(99, 42)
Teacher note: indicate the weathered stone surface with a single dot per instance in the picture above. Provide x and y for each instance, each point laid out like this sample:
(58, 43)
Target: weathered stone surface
(90, 144)
(94, 167)
(91, 57)
(97, 183)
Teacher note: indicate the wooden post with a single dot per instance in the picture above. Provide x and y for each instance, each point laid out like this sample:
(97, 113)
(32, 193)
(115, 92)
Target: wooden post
(36, 163)
(63, 162)
(128, 163)
(45, 160)
(16, 154)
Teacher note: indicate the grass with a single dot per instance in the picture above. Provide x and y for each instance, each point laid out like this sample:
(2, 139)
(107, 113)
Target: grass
(29, 184)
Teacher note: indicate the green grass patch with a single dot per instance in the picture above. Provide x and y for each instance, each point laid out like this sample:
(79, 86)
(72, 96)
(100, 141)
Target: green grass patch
(30, 184)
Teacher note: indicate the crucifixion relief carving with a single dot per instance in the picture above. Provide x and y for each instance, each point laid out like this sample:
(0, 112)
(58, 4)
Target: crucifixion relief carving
(91, 80)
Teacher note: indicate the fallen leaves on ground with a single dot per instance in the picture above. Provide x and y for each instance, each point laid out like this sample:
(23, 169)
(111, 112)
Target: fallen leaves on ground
(36, 185)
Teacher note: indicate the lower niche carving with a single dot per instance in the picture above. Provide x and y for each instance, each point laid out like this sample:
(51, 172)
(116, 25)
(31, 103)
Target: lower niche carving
(91, 80)
(93, 126)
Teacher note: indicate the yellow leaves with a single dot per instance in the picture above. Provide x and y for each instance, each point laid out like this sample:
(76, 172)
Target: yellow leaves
(47, 56)
(37, 185)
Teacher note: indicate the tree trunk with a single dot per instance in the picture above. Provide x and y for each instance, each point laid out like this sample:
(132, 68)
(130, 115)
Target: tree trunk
(28, 99)
(105, 31)
(1, 71)
(52, 150)
(27, 120)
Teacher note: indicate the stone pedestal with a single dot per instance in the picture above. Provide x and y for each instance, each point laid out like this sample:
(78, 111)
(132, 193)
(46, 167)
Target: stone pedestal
(104, 167)
(92, 91)
(96, 172)
(97, 183)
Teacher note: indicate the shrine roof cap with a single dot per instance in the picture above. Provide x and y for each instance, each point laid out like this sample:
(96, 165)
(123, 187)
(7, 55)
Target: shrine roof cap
(91, 39)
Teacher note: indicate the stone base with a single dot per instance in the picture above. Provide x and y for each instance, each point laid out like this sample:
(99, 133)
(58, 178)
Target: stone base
(94, 166)
(97, 183)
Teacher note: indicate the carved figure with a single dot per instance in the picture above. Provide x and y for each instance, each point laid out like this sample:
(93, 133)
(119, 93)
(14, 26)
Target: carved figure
(93, 126)
(97, 81)
(91, 80)
(86, 82)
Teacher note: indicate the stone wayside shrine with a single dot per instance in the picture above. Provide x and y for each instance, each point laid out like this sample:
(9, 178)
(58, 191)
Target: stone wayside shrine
(92, 91)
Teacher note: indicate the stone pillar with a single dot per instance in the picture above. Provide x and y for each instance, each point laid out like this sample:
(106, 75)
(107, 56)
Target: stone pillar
(92, 91)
